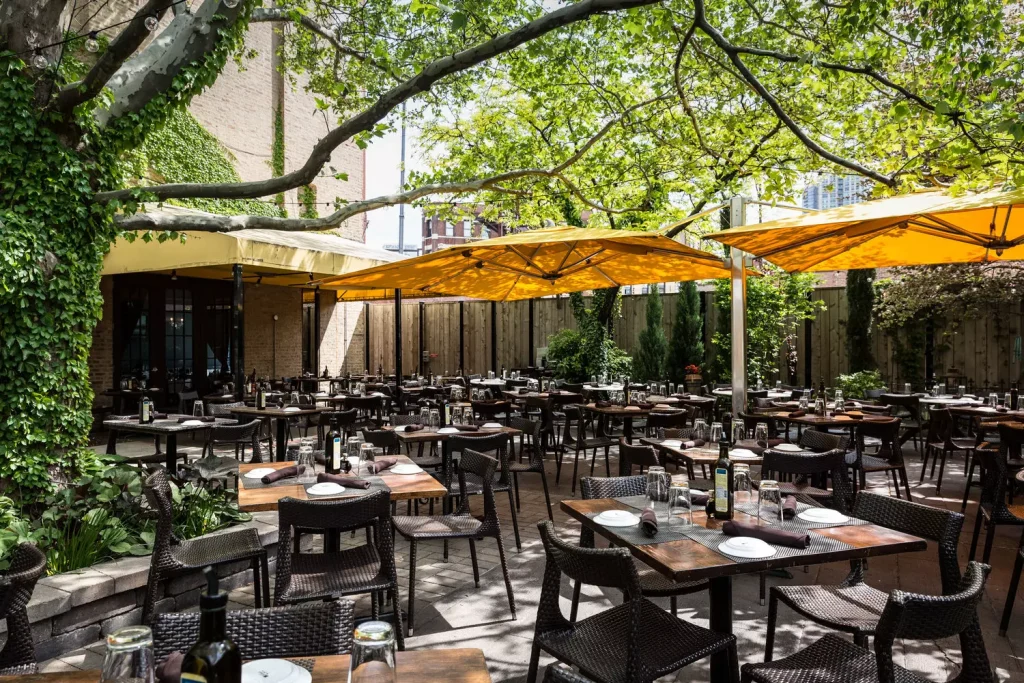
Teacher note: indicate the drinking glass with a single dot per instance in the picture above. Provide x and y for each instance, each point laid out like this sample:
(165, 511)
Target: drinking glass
(671, 388)
(1007, 400)
(700, 429)
(806, 395)
(761, 434)
(907, 389)
(490, 374)
(716, 432)
(739, 431)
(425, 416)
(457, 415)
(593, 379)
(769, 501)
(352, 448)
(197, 408)
(741, 482)
(435, 418)
(308, 475)
(803, 403)
(129, 656)
(658, 482)
(838, 396)
(294, 398)
(679, 512)
(365, 458)
(373, 653)
(960, 391)
(778, 385)
(993, 399)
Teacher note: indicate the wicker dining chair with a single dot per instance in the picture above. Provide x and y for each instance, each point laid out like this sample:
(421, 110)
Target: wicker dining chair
(908, 409)
(459, 525)
(531, 442)
(819, 442)
(940, 441)
(239, 437)
(641, 456)
(993, 510)
(1011, 591)
(583, 444)
(634, 642)
(312, 630)
(812, 473)
(385, 439)
(27, 564)
(172, 556)
(853, 606)
(903, 615)
(369, 411)
(888, 458)
(345, 419)
(653, 584)
(367, 568)
(667, 419)
(497, 444)
(492, 411)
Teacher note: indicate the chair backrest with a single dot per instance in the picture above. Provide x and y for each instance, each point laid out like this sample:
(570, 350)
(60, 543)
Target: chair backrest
(887, 432)
(397, 420)
(572, 387)
(813, 440)
(27, 564)
(684, 433)
(639, 455)
(239, 433)
(484, 467)
(366, 404)
(750, 423)
(754, 393)
(873, 393)
(830, 464)
(344, 417)
(935, 524)
(310, 630)
(158, 493)
(910, 404)
(186, 399)
(669, 420)
(482, 443)
(914, 616)
(382, 438)
(1010, 441)
(223, 408)
(531, 436)
(612, 487)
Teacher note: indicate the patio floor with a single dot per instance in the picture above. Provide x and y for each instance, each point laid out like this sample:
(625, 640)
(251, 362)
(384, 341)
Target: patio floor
(451, 612)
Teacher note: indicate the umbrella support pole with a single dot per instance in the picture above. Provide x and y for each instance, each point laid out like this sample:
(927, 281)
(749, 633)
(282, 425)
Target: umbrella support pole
(738, 301)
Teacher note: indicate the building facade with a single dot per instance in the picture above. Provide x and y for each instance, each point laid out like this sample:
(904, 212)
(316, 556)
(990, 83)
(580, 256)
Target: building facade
(832, 191)
(439, 230)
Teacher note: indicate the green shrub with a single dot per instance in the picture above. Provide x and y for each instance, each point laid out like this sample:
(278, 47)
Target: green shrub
(569, 358)
(652, 348)
(856, 384)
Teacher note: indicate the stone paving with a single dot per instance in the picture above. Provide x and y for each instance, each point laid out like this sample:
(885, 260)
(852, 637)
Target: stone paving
(451, 612)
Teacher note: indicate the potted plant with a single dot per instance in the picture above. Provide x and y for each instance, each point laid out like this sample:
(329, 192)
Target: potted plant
(693, 378)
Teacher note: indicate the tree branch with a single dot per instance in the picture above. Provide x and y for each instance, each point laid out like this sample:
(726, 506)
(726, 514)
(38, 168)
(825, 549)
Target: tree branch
(124, 46)
(732, 52)
(384, 105)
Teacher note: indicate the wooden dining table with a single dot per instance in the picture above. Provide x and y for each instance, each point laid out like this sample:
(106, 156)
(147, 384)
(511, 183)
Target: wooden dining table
(622, 412)
(455, 665)
(705, 455)
(280, 416)
(403, 487)
(169, 428)
(684, 559)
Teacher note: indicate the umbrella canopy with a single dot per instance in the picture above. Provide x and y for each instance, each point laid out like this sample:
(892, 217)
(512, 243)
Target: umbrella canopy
(347, 294)
(543, 262)
(909, 230)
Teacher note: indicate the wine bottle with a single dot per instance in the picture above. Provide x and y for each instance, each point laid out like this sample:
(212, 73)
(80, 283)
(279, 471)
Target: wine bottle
(332, 448)
(1013, 397)
(723, 481)
(145, 410)
(214, 658)
(261, 398)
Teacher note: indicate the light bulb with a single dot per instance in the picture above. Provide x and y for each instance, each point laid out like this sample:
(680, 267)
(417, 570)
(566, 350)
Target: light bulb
(91, 44)
(151, 23)
(231, 3)
(39, 61)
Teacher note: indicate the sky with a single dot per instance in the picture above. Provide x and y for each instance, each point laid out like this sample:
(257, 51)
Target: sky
(383, 168)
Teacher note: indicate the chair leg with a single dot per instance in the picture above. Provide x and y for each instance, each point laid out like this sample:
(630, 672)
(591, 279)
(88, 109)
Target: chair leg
(476, 567)
(860, 639)
(977, 534)
(942, 468)
(515, 485)
(967, 486)
(508, 581)
(266, 579)
(734, 664)
(515, 521)
(256, 582)
(575, 602)
(607, 464)
(773, 616)
(990, 537)
(673, 603)
(761, 587)
(924, 463)
(1011, 595)
(547, 496)
(575, 467)
(531, 674)
(412, 584)
(906, 482)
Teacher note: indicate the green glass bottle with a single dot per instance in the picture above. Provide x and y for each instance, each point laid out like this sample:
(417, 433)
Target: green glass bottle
(214, 659)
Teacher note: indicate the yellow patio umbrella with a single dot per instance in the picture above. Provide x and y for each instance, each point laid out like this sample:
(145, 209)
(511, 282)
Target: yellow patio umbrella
(543, 262)
(926, 228)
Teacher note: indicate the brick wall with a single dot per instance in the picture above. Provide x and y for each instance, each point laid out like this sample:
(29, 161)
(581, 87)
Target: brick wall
(273, 347)
(101, 355)
(341, 335)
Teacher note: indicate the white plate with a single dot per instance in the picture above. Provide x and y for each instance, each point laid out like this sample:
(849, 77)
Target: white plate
(672, 443)
(405, 468)
(292, 409)
(788, 448)
(258, 473)
(491, 425)
(321, 393)
(327, 488)
(274, 671)
(617, 518)
(377, 394)
(745, 546)
(823, 516)
(401, 428)
(447, 430)
(742, 453)
(193, 423)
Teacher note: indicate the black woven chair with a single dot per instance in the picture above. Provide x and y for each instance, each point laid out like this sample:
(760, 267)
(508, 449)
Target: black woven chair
(173, 556)
(496, 444)
(460, 524)
(634, 642)
(584, 444)
(675, 419)
(993, 510)
(368, 568)
(313, 630)
(808, 474)
(239, 437)
(819, 442)
(343, 418)
(384, 439)
(908, 409)
(940, 441)
(904, 615)
(369, 411)
(492, 411)
(888, 458)
(641, 456)
(853, 606)
(1011, 591)
(653, 584)
(559, 673)
(18, 655)
(531, 441)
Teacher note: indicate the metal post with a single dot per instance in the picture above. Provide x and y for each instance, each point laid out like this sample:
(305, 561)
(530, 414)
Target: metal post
(738, 298)
(494, 336)
(401, 188)
(530, 358)
(238, 328)
(398, 347)
(316, 332)
(462, 337)
(419, 358)
(366, 337)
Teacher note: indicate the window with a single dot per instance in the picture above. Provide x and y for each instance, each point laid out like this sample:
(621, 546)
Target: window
(218, 337)
(178, 339)
(467, 227)
(449, 228)
(135, 324)
(426, 228)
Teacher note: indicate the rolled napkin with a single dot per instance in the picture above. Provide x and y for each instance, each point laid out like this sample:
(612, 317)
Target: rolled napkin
(693, 443)
(649, 522)
(798, 413)
(602, 404)
(347, 482)
(789, 507)
(876, 418)
(698, 499)
(378, 466)
(170, 670)
(1002, 409)
(790, 539)
(524, 390)
(283, 473)
(210, 418)
(467, 428)
(413, 428)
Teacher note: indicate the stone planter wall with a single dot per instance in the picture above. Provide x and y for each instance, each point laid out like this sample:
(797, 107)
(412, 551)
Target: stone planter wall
(70, 610)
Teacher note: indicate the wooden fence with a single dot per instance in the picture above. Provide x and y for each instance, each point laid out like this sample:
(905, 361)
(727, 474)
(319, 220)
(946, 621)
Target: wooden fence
(982, 350)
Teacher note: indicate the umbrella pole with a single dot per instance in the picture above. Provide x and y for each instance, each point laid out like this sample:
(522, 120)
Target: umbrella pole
(398, 347)
(738, 299)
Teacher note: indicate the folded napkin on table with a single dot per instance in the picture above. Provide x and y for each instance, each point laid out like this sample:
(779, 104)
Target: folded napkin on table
(693, 443)
(649, 522)
(790, 539)
(467, 428)
(170, 670)
(200, 418)
(698, 499)
(602, 404)
(789, 507)
(413, 427)
(798, 413)
(347, 482)
(1002, 409)
(524, 390)
(876, 418)
(283, 473)
(758, 447)
(382, 464)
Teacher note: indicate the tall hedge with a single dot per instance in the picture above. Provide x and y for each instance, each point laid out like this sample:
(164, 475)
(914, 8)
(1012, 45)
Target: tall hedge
(686, 347)
(649, 360)
(860, 299)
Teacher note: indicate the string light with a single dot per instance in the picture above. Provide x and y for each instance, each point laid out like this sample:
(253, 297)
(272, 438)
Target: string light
(152, 23)
(91, 44)
(40, 61)
(231, 3)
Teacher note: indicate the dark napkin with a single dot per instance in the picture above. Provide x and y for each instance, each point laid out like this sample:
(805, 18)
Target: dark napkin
(649, 522)
(789, 507)
(170, 670)
(158, 416)
(694, 443)
(524, 390)
(1002, 409)
(347, 482)
(182, 420)
(467, 428)
(798, 413)
(413, 428)
(790, 539)
(876, 418)
(283, 473)
(698, 499)
(382, 464)
(602, 404)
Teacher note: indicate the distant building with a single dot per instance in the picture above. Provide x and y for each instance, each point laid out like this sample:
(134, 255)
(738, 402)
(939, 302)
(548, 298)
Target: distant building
(836, 190)
(438, 232)
(407, 249)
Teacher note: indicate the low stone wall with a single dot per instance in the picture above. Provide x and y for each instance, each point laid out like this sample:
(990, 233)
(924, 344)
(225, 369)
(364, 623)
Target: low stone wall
(71, 610)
